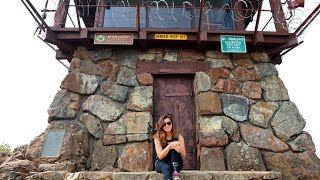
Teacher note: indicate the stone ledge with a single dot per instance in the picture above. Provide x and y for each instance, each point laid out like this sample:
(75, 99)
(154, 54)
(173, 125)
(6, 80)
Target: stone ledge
(152, 175)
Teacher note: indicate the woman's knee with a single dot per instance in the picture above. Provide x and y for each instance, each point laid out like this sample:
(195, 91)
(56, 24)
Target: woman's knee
(175, 156)
(173, 151)
(163, 167)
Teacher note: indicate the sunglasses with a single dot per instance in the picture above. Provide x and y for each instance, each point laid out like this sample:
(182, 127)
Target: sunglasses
(167, 123)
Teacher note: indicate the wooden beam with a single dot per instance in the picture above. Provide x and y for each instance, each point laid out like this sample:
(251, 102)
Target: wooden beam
(276, 59)
(203, 40)
(279, 49)
(259, 38)
(84, 35)
(143, 39)
(73, 35)
(60, 55)
(171, 67)
(51, 38)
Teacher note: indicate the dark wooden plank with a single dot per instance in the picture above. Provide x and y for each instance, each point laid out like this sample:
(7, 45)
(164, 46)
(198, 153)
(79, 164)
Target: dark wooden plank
(276, 59)
(72, 37)
(62, 45)
(211, 37)
(259, 38)
(280, 48)
(179, 103)
(202, 41)
(60, 55)
(177, 94)
(171, 67)
(84, 35)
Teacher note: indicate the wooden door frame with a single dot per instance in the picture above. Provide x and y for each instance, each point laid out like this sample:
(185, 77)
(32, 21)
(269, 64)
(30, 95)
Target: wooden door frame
(174, 68)
(171, 68)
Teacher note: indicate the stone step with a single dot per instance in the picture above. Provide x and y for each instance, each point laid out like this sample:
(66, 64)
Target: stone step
(152, 175)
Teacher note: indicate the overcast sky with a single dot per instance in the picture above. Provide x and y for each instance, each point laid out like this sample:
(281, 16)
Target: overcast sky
(30, 77)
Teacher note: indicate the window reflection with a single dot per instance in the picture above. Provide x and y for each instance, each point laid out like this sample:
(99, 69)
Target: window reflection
(170, 14)
(216, 19)
(169, 18)
(125, 17)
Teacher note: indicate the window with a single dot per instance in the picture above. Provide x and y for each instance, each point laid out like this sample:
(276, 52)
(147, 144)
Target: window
(170, 17)
(169, 14)
(216, 15)
(125, 17)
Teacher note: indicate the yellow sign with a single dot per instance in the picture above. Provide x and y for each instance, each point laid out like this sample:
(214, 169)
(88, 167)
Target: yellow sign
(171, 36)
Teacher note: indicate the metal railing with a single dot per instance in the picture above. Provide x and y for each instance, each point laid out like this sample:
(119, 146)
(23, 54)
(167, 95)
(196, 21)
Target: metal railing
(210, 15)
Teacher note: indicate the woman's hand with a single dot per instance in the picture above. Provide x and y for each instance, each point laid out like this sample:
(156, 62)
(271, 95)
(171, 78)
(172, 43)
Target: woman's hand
(174, 144)
(182, 147)
(178, 148)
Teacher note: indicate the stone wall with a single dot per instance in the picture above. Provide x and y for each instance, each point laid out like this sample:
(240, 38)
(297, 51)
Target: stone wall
(245, 119)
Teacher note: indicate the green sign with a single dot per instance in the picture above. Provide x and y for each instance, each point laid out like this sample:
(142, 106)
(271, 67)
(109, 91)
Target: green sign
(233, 44)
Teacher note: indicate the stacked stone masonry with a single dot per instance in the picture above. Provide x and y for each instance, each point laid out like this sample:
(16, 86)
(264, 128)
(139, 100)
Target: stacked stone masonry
(245, 119)
(152, 175)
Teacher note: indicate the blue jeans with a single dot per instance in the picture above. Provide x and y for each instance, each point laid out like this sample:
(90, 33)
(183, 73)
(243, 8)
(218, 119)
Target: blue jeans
(165, 166)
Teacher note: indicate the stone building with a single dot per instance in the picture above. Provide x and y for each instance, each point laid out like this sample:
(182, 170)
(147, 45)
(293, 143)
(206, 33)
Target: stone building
(232, 108)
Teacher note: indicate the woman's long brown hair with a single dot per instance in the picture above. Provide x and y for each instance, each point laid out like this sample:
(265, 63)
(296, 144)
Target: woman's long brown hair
(159, 132)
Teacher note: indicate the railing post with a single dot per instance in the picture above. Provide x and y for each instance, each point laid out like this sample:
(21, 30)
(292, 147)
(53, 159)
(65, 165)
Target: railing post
(100, 14)
(278, 16)
(77, 13)
(257, 23)
(200, 19)
(138, 18)
(60, 16)
(240, 23)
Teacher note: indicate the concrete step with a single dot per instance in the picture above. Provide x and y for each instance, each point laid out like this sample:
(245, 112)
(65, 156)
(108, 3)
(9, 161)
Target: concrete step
(152, 175)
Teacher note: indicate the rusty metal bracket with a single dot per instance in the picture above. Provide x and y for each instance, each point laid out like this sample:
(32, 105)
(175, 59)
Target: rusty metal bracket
(305, 24)
(34, 13)
(38, 18)
(279, 49)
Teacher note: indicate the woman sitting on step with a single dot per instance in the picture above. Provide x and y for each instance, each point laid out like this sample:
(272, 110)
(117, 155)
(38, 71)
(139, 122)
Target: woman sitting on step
(170, 148)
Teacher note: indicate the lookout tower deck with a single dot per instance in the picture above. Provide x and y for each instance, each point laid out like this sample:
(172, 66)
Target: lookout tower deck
(269, 25)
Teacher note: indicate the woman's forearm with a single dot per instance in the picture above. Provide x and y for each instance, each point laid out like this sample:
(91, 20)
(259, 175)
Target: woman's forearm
(164, 152)
(183, 153)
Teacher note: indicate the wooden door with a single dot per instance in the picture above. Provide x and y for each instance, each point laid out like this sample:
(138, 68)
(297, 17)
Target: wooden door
(174, 95)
